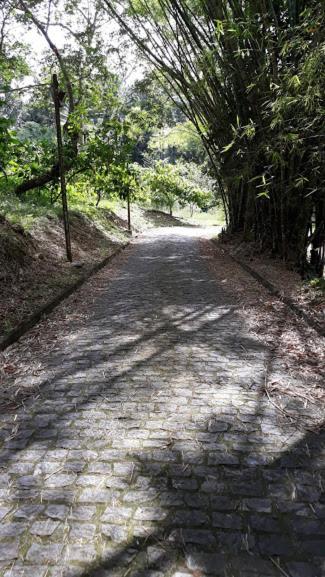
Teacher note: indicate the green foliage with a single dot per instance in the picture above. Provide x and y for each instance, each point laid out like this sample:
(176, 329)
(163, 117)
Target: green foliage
(13, 64)
(180, 141)
(250, 76)
(22, 155)
(247, 78)
(149, 95)
(318, 284)
(169, 184)
(105, 132)
(25, 212)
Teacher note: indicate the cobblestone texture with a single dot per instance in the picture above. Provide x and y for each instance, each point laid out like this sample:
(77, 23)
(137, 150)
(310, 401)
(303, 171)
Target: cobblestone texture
(150, 450)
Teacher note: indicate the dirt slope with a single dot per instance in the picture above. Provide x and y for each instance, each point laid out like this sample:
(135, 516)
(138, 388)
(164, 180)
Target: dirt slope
(33, 266)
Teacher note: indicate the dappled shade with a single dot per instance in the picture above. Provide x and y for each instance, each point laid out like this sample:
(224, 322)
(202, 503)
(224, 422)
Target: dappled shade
(151, 448)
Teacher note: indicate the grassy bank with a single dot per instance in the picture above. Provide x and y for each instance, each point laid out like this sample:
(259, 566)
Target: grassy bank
(33, 264)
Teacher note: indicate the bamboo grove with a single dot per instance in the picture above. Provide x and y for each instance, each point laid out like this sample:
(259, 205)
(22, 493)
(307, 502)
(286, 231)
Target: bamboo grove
(250, 74)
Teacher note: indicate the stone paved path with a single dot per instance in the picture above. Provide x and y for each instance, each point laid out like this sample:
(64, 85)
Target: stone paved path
(151, 450)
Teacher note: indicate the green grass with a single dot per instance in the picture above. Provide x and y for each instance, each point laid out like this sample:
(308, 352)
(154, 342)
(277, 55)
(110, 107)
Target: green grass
(318, 284)
(25, 212)
(214, 217)
(99, 215)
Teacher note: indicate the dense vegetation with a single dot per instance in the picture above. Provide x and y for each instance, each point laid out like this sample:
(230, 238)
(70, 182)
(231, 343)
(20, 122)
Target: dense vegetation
(115, 133)
(250, 75)
(246, 76)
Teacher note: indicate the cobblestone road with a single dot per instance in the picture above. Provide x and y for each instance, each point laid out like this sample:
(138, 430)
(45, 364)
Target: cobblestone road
(151, 450)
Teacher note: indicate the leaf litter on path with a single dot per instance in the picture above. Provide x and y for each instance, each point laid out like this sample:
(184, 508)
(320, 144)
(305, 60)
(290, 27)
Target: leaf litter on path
(295, 371)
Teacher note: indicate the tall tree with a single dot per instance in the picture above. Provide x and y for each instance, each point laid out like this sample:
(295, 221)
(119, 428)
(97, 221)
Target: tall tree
(250, 76)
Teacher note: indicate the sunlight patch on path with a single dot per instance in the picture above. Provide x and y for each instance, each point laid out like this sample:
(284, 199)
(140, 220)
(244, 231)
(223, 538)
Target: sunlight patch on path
(151, 449)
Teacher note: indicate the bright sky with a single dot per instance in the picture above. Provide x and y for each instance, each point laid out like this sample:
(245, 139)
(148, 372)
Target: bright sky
(36, 40)
(38, 45)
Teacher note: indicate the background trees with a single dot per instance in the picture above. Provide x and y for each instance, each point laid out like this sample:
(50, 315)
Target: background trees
(109, 126)
(180, 183)
(247, 77)
(250, 77)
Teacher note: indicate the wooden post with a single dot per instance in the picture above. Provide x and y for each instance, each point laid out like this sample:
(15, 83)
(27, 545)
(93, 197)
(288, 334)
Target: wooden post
(57, 104)
(129, 211)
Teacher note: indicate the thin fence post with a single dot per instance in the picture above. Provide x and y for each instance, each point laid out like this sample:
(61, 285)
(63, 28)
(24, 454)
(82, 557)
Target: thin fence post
(57, 103)
(129, 211)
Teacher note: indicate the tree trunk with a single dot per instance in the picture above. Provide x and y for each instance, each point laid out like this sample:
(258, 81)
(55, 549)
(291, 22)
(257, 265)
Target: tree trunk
(53, 173)
(38, 181)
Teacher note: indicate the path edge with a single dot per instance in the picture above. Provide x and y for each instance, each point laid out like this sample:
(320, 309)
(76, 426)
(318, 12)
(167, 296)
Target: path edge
(15, 334)
(274, 291)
